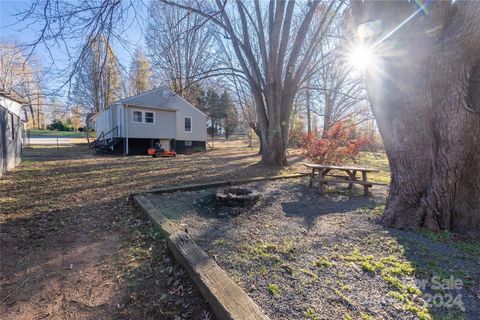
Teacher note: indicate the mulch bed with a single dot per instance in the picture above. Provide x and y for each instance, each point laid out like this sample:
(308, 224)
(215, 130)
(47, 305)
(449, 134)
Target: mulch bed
(302, 254)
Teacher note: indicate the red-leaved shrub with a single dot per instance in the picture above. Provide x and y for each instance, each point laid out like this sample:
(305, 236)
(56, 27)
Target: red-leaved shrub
(339, 144)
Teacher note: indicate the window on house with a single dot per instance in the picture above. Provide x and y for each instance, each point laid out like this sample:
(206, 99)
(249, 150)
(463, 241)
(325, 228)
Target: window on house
(188, 143)
(149, 117)
(137, 116)
(188, 124)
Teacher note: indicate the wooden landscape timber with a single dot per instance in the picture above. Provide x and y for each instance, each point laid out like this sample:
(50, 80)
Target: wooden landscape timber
(193, 187)
(225, 297)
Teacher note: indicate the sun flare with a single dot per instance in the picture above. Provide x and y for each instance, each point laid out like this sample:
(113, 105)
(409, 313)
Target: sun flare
(361, 57)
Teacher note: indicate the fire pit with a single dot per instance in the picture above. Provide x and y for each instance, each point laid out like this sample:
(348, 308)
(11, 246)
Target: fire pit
(237, 196)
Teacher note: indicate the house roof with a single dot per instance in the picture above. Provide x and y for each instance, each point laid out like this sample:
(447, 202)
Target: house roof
(13, 95)
(13, 102)
(144, 106)
(161, 98)
(158, 98)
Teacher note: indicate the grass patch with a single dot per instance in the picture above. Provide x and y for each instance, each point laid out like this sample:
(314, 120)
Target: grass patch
(274, 289)
(220, 242)
(266, 250)
(397, 295)
(261, 251)
(422, 313)
(365, 316)
(442, 236)
(323, 262)
(310, 314)
(343, 297)
(378, 161)
(372, 266)
(392, 270)
(371, 211)
(345, 287)
(309, 273)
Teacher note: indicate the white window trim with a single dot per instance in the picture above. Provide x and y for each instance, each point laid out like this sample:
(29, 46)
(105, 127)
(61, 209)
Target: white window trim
(191, 124)
(144, 117)
(133, 116)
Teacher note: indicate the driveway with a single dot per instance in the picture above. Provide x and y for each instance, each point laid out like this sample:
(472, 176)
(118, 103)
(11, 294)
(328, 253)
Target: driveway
(44, 140)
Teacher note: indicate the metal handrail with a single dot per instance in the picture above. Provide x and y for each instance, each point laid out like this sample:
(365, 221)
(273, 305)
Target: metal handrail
(116, 135)
(101, 137)
(95, 141)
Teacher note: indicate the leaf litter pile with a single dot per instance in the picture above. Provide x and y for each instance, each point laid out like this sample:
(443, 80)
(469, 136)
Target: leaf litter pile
(301, 254)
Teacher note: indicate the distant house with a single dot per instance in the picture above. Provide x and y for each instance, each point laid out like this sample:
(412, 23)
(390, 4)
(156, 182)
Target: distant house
(135, 124)
(12, 130)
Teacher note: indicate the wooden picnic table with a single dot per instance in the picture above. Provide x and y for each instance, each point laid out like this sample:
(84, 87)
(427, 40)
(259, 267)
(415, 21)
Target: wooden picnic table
(350, 177)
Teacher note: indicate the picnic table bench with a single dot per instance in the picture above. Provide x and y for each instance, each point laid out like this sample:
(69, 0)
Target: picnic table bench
(322, 170)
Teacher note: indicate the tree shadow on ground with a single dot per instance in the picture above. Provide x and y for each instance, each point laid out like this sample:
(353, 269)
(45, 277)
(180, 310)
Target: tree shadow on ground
(313, 202)
(446, 271)
(326, 206)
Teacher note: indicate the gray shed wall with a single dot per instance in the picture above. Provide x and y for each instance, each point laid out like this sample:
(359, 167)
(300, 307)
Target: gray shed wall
(10, 149)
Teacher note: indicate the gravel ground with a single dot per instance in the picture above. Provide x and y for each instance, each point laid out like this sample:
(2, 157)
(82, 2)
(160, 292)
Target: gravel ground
(301, 254)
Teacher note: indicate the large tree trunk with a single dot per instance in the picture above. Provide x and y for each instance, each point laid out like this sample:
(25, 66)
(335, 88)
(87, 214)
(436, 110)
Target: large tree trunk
(274, 129)
(274, 150)
(426, 104)
(260, 149)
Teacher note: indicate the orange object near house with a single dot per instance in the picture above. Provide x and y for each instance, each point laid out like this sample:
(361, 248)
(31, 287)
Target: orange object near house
(152, 151)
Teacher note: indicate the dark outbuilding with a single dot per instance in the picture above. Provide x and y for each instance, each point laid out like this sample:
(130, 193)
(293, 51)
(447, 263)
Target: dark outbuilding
(12, 131)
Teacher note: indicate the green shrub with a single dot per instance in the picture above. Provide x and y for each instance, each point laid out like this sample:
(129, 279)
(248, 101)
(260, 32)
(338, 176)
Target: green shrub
(58, 125)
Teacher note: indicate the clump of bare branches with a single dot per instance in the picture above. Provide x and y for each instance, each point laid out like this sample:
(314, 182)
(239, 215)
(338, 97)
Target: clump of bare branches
(182, 48)
(139, 74)
(70, 27)
(98, 81)
(22, 77)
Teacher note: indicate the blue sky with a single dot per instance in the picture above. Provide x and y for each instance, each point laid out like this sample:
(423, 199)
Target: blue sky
(23, 34)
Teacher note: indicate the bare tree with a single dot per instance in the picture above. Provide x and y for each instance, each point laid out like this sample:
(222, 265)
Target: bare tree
(70, 27)
(98, 81)
(335, 91)
(181, 47)
(273, 56)
(425, 97)
(24, 77)
(140, 74)
(340, 93)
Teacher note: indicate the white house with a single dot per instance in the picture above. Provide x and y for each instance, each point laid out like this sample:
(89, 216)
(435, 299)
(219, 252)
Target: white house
(12, 130)
(134, 124)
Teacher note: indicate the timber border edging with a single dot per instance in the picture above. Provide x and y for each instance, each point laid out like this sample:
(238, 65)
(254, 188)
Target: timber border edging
(200, 186)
